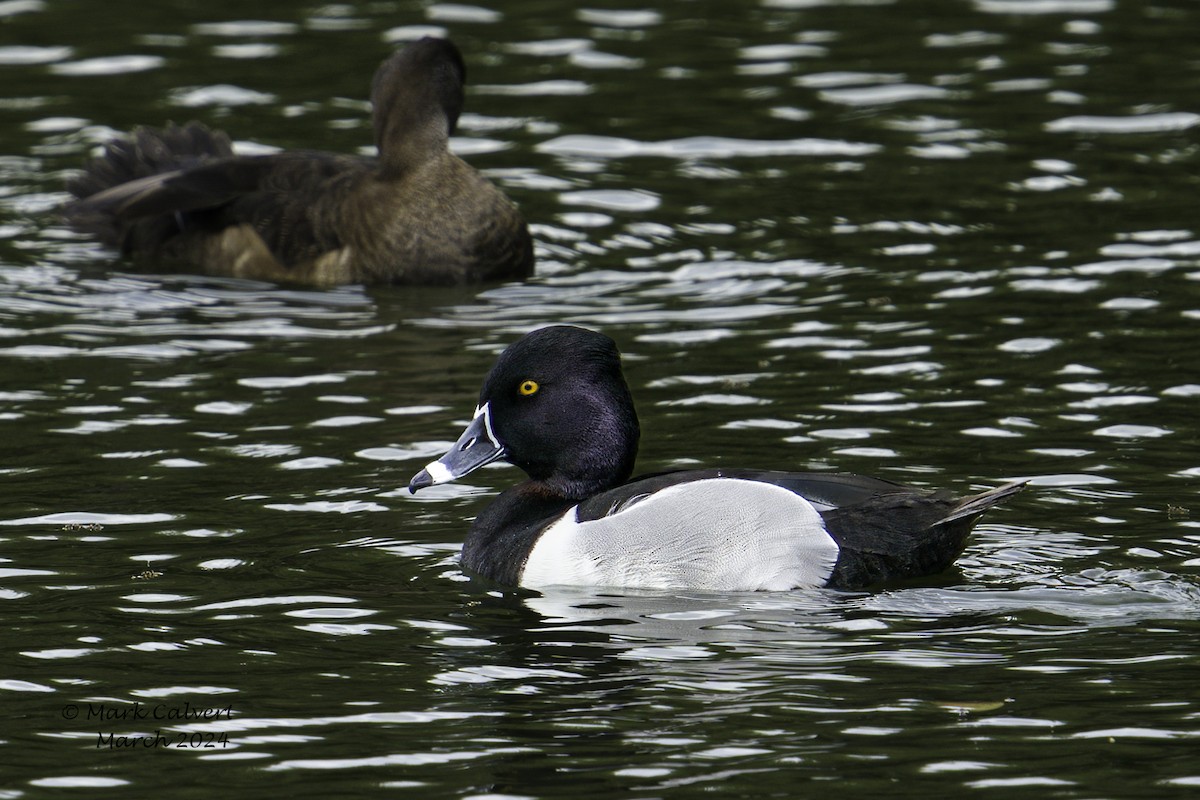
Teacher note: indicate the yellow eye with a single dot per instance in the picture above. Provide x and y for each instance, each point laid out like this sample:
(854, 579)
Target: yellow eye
(527, 388)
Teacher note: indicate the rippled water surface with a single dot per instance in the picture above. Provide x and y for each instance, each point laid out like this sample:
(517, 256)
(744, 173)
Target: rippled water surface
(947, 243)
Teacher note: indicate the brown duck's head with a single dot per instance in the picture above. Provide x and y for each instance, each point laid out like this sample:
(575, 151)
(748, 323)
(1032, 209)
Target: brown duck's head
(417, 96)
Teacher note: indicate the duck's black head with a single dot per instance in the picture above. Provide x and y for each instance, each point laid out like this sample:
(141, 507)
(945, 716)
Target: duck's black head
(556, 405)
(417, 96)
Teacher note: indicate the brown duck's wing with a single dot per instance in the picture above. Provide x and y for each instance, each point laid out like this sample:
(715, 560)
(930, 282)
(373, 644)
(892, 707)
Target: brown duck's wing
(279, 196)
(149, 152)
(134, 164)
(300, 202)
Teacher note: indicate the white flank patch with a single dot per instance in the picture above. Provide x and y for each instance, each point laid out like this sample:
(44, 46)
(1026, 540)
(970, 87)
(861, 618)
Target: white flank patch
(718, 534)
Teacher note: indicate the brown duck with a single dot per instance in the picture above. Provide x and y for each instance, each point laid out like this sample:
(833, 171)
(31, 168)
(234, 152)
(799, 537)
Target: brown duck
(416, 214)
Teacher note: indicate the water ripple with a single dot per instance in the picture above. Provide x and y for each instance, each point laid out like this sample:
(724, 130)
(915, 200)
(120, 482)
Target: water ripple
(699, 147)
(108, 65)
(1144, 123)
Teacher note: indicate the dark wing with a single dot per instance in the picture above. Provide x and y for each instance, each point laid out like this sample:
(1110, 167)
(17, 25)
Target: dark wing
(823, 489)
(828, 489)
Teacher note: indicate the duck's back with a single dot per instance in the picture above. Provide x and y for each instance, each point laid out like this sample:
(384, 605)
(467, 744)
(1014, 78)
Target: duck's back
(441, 223)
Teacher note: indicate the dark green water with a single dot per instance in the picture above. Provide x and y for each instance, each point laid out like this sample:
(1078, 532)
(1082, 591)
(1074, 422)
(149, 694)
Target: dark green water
(948, 243)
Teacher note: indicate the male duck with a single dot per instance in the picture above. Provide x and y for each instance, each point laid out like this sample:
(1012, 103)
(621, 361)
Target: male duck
(417, 214)
(556, 405)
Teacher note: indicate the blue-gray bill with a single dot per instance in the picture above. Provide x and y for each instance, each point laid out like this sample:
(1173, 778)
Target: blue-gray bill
(476, 447)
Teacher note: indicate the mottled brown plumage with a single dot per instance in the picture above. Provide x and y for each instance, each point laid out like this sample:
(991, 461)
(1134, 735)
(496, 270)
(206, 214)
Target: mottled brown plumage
(416, 214)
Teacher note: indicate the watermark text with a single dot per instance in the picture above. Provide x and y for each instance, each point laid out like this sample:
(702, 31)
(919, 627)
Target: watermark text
(181, 714)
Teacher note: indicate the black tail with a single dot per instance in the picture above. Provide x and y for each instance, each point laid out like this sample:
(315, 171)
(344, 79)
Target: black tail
(904, 534)
(130, 163)
(971, 507)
